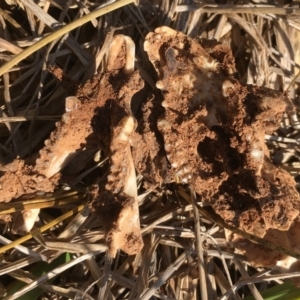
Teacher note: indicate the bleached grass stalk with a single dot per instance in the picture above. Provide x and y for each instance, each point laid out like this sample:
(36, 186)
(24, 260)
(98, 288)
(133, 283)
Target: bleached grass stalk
(212, 253)
(23, 249)
(105, 278)
(217, 219)
(281, 139)
(38, 231)
(75, 247)
(13, 22)
(94, 269)
(29, 118)
(42, 202)
(151, 243)
(221, 280)
(174, 231)
(50, 275)
(166, 275)
(74, 225)
(168, 216)
(199, 249)
(245, 275)
(222, 257)
(7, 46)
(286, 59)
(18, 264)
(70, 293)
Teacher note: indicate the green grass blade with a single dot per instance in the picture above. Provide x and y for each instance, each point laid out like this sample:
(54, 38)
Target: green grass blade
(285, 291)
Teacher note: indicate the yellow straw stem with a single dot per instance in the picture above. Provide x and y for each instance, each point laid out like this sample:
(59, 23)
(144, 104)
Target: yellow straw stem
(38, 231)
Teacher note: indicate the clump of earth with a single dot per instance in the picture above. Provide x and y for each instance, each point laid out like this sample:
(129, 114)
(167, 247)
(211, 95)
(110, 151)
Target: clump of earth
(202, 127)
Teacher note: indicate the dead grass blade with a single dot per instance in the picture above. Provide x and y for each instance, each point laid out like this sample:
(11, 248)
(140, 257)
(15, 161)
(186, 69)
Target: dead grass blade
(50, 275)
(36, 232)
(28, 118)
(224, 9)
(42, 202)
(199, 249)
(24, 249)
(75, 247)
(166, 275)
(245, 275)
(13, 22)
(18, 264)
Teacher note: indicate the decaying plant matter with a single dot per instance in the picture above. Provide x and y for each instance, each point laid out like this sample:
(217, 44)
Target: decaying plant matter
(212, 128)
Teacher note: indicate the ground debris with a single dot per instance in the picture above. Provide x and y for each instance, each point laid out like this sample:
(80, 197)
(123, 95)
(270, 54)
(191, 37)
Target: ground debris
(204, 128)
(214, 134)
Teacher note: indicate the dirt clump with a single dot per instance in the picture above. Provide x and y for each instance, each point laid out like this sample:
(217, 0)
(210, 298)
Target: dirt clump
(117, 202)
(20, 179)
(97, 117)
(151, 161)
(201, 127)
(213, 129)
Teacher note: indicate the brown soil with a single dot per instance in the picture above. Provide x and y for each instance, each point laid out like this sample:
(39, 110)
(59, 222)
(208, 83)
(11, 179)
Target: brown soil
(72, 134)
(117, 202)
(213, 129)
(205, 128)
(20, 179)
(259, 255)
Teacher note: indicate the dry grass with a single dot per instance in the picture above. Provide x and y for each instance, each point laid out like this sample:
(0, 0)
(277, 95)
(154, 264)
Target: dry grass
(185, 255)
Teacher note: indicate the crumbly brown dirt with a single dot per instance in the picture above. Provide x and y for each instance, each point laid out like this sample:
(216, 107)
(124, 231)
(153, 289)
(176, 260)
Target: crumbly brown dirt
(204, 128)
(151, 162)
(20, 179)
(213, 129)
(117, 212)
(97, 122)
(117, 202)
(258, 255)
(73, 133)
(97, 117)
